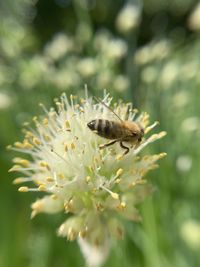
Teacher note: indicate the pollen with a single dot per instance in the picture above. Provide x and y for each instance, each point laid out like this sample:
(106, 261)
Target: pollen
(141, 182)
(54, 197)
(50, 179)
(36, 141)
(47, 138)
(67, 125)
(23, 189)
(114, 195)
(162, 155)
(72, 234)
(27, 145)
(99, 207)
(18, 181)
(69, 206)
(42, 187)
(61, 176)
(73, 146)
(119, 157)
(45, 165)
(119, 172)
(66, 147)
(88, 179)
(118, 180)
(29, 134)
(14, 168)
(121, 206)
(24, 162)
(35, 119)
(45, 121)
(83, 233)
(19, 145)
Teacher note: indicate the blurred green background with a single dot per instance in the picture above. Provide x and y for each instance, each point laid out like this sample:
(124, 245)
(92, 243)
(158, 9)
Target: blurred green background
(147, 52)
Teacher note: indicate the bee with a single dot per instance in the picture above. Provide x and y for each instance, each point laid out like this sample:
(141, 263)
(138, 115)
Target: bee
(117, 131)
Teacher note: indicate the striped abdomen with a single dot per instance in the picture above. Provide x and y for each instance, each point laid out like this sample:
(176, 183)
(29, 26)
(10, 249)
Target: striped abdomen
(107, 129)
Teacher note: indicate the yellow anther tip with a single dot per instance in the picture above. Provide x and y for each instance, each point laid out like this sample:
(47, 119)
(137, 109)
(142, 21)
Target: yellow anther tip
(115, 195)
(88, 178)
(18, 181)
(119, 157)
(23, 189)
(119, 172)
(42, 188)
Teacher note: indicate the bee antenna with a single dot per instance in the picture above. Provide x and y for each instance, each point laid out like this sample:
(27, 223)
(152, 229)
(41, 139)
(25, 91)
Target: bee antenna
(52, 150)
(100, 101)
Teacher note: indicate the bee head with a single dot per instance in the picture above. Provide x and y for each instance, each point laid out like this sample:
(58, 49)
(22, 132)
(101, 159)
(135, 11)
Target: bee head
(138, 132)
(141, 134)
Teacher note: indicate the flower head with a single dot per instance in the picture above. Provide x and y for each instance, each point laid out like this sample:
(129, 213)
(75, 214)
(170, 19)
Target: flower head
(95, 187)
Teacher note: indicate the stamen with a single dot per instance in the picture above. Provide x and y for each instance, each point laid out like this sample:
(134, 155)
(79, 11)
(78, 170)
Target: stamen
(27, 189)
(21, 161)
(49, 179)
(27, 145)
(65, 147)
(19, 145)
(148, 141)
(23, 189)
(121, 206)
(83, 233)
(69, 206)
(73, 145)
(36, 141)
(119, 172)
(22, 180)
(45, 121)
(119, 156)
(42, 187)
(72, 234)
(67, 125)
(118, 180)
(99, 207)
(88, 179)
(149, 128)
(45, 165)
(54, 196)
(113, 194)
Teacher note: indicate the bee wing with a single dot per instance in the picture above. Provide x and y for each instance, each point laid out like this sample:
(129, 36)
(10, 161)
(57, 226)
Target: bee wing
(99, 100)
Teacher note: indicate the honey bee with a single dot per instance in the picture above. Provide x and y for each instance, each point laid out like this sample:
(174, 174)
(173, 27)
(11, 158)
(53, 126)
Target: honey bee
(117, 131)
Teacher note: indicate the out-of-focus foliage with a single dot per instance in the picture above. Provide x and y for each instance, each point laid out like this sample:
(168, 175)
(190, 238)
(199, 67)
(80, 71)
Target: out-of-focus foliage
(142, 51)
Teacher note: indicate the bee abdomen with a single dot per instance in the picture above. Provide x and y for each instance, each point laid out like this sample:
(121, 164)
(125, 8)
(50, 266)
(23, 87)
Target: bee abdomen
(104, 128)
(100, 125)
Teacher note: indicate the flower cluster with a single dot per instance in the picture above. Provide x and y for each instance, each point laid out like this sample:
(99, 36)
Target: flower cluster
(95, 187)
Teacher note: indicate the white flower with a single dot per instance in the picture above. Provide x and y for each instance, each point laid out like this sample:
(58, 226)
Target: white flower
(59, 46)
(194, 19)
(152, 52)
(87, 67)
(5, 101)
(97, 187)
(169, 74)
(184, 163)
(128, 18)
(190, 232)
(191, 124)
(110, 47)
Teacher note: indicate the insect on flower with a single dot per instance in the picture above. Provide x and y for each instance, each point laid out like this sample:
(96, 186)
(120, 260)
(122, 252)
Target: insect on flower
(117, 131)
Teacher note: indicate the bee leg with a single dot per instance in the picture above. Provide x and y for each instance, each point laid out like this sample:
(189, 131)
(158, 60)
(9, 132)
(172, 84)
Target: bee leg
(108, 144)
(124, 147)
